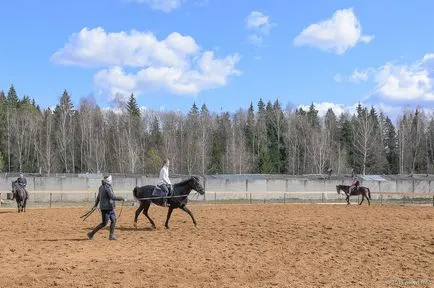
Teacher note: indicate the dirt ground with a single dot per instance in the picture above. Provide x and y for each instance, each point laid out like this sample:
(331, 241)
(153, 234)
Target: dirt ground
(261, 245)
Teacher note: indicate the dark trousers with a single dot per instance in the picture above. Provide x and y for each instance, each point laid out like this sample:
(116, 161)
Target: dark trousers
(106, 215)
(165, 188)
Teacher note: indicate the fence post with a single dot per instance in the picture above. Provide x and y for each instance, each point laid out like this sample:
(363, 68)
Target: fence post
(284, 198)
(215, 197)
(51, 198)
(432, 200)
(250, 198)
(204, 188)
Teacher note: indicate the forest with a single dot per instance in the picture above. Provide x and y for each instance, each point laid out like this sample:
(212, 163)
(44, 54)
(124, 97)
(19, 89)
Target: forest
(263, 138)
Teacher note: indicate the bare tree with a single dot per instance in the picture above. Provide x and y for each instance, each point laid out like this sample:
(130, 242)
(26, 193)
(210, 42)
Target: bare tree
(205, 124)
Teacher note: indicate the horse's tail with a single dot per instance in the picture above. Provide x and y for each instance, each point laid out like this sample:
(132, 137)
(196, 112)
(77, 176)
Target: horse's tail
(369, 193)
(135, 192)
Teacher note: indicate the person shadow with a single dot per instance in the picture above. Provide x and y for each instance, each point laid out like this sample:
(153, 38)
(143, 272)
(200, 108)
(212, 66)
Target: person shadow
(60, 239)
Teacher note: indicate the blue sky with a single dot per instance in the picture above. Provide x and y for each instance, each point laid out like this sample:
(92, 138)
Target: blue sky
(226, 54)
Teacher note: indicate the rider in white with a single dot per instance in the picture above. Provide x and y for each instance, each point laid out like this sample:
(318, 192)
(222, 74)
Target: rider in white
(164, 181)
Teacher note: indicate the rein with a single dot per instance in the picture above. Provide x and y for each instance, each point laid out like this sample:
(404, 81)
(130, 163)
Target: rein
(122, 206)
(167, 197)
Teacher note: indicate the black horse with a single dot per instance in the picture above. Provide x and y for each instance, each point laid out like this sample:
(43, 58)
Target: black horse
(178, 199)
(364, 191)
(19, 193)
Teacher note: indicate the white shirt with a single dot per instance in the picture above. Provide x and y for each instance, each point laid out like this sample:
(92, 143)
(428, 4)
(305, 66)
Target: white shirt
(164, 176)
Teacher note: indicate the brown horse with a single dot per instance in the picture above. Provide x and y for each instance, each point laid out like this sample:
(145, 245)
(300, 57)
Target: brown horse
(364, 191)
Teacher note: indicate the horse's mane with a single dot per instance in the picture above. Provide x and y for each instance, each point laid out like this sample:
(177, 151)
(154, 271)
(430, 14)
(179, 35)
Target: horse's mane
(182, 183)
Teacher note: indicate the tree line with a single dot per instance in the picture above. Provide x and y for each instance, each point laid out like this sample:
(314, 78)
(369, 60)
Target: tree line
(264, 138)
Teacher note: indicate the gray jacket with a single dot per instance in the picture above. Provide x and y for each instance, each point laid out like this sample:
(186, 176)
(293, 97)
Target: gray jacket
(22, 181)
(106, 197)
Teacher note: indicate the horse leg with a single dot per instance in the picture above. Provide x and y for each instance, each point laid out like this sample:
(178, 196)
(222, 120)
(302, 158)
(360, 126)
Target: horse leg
(348, 199)
(367, 198)
(138, 213)
(145, 211)
(191, 215)
(169, 213)
(363, 198)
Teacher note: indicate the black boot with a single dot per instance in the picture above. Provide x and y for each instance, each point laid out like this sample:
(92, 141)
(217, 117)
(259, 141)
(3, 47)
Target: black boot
(112, 231)
(96, 229)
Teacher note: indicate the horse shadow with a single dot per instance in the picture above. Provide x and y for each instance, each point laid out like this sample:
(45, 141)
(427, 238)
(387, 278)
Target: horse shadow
(135, 229)
(122, 228)
(61, 239)
(7, 211)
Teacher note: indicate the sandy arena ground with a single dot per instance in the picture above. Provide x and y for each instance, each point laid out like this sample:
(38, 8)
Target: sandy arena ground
(268, 245)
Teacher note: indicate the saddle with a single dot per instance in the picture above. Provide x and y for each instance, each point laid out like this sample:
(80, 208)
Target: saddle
(158, 192)
(354, 189)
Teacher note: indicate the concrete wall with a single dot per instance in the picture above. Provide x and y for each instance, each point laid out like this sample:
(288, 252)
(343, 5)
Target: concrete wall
(83, 187)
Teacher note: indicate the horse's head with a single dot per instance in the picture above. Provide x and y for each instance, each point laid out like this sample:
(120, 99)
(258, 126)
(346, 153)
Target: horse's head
(14, 186)
(195, 185)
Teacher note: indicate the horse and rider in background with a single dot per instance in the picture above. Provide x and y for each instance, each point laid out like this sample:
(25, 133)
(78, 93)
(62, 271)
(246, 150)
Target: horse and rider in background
(354, 189)
(20, 193)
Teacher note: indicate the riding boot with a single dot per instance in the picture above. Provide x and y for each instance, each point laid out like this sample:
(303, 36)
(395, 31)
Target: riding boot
(112, 231)
(96, 229)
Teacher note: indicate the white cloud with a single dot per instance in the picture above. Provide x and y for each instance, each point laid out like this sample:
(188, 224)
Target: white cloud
(163, 5)
(359, 76)
(211, 73)
(405, 82)
(322, 108)
(258, 21)
(337, 34)
(410, 82)
(119, 110)
(393, 111)
(175, 63)
(428, 57)
(96, 48)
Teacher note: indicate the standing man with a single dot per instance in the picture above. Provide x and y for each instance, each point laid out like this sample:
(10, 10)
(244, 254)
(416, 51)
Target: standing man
(164, 181)
(106, 198)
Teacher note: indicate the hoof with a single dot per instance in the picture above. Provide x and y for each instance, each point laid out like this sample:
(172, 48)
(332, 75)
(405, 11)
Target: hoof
(135, 225)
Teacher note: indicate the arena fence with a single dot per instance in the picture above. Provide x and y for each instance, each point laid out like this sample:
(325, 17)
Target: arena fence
(85, 198)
